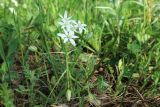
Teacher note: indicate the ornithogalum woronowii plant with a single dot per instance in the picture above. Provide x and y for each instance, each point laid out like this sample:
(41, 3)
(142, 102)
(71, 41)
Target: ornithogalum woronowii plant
(70, 31)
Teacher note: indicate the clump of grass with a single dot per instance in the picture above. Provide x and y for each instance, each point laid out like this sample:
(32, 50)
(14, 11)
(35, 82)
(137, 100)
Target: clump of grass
(48, 63)
(6, 95)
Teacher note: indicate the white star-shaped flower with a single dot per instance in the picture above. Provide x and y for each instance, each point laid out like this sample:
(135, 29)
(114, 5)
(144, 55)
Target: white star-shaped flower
(2, 5)
(12, 10)
(66, 22)
(15, 2)
(68, 36)
(81, 27)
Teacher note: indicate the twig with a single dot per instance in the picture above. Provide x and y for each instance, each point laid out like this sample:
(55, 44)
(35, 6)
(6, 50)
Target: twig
(140, 96)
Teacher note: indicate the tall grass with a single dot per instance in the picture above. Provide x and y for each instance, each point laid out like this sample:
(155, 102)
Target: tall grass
(119, 50)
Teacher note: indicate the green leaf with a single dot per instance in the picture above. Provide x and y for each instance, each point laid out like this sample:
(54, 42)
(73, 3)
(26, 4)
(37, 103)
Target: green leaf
(2, 50)
(134, 47)
(12, 46)
(84, 57)
(142, 37)
(33, 48)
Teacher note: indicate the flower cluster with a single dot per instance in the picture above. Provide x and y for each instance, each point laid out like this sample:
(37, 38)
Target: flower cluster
(70, 29)
(13, 6)
(11, 9)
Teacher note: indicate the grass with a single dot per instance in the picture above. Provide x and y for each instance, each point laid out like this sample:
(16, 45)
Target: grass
(116, 62)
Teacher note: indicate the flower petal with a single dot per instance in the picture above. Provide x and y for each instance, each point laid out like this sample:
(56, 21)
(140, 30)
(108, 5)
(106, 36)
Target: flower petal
(60, 15)
(65, 40)
(65, 14)
(65, 31)
(84, 25)
(72, 42)
(61, 35)
(74, 36)
(80, 30)
(60, 23)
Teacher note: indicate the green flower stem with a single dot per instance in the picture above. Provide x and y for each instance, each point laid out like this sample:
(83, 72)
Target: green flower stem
(67, 66)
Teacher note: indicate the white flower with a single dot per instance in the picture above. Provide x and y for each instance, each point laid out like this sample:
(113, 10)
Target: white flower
(70, 27)
(81, 26)
(12, 10)
(65, 21)
(14, 2)
(68, 36)
(2, 5)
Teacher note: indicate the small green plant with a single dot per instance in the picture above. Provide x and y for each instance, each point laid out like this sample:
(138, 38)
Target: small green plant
(51, 59)
(6, 95)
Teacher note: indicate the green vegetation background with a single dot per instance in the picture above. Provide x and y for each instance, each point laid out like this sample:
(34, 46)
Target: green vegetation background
(125, 43)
